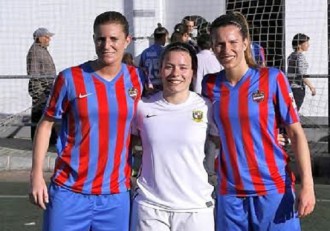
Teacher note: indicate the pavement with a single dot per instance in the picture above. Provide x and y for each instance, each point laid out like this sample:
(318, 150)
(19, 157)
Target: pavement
(16, 155)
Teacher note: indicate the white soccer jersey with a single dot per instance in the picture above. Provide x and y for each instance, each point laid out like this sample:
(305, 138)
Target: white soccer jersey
(173, 136)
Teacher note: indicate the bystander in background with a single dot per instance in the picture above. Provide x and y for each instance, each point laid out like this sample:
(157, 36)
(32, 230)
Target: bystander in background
(297, 69)
(180, 33)
(258, 54)
(207, 61)
(189, 21)
(149, 60)
(41, 68)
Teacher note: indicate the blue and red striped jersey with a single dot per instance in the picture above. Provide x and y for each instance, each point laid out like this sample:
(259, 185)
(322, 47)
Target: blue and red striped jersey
(96, 114)
(248, 116)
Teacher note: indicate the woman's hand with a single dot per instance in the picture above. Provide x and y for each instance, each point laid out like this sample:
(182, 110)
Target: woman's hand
(313, 90)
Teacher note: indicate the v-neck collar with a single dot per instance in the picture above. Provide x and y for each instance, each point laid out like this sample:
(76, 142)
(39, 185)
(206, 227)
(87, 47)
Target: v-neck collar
(112, 81)
(240, 82)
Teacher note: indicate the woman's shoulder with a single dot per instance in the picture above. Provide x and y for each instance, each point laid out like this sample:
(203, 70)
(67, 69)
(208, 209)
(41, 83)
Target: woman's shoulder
(199, 99)
(270, 72)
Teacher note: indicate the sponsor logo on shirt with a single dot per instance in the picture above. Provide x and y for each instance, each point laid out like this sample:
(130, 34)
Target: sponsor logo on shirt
(133, 92)
(258, 96)
(197, 115)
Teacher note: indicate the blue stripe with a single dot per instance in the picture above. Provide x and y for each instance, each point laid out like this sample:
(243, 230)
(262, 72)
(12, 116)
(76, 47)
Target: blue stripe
(93, 112)
(113, 117)
(74, 163)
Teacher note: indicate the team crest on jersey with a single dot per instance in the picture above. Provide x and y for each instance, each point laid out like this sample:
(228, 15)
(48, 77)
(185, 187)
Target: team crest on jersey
(197, 115)
(293, 102)
(133, 92)
(258, 96)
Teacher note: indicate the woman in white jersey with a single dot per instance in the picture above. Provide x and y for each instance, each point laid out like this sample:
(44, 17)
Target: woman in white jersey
(173, 192)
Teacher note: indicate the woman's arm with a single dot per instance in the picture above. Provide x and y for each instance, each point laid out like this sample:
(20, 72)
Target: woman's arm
(310, 86)
(38, 188)
(306, 199)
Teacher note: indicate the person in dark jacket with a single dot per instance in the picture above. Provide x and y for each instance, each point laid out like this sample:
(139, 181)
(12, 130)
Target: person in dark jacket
(41, 68)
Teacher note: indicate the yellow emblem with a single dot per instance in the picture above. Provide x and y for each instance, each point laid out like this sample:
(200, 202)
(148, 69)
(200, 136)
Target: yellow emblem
(197, 115)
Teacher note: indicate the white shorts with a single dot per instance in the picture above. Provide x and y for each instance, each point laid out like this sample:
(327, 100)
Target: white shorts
(144, 218)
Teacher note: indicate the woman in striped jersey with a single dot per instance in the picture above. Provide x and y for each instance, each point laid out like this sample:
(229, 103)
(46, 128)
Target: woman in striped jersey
(256, 186)
(96, 102)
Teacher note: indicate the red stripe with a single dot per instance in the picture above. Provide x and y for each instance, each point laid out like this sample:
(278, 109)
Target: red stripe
(84, 149)
(59, 82)
(210, 83)
(285, 93)
(136, 84)
(225, 120)
(62, 167)
(128, 165)
(122, 117)
(266, 139)
(293, 113)
(103, 136)
(282, 84)
(247, 139)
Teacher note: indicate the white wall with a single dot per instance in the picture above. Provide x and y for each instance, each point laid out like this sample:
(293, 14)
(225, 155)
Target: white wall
(310, 18)
(72, 21)
(177, 9)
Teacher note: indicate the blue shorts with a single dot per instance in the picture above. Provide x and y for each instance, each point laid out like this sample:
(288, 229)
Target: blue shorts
(70, 211)
(270, 212)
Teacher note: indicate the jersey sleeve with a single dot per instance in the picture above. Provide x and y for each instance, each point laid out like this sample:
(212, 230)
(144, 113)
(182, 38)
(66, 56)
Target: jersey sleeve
(58, 100)
(284, 101)
(204, 86)
(212, 127)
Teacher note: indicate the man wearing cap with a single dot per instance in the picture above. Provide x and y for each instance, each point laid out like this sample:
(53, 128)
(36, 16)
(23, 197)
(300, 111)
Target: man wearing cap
(41, 68)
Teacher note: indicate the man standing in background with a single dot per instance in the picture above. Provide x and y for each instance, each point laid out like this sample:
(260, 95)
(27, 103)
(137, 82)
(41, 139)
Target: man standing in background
(41, 68)
(207, 61)
(149, 61)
